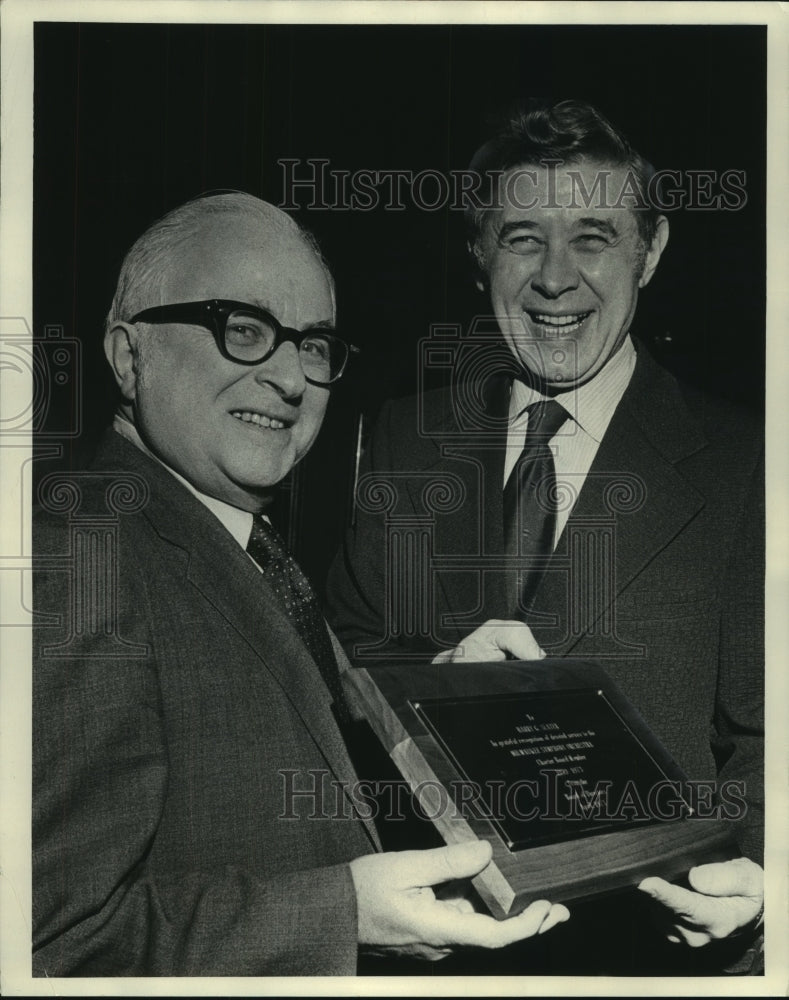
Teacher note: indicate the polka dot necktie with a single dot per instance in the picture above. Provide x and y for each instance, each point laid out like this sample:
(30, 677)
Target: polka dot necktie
(297, 599)
(529, 497)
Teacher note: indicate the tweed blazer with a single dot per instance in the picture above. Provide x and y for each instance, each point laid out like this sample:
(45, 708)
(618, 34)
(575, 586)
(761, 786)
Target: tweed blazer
(177, 714)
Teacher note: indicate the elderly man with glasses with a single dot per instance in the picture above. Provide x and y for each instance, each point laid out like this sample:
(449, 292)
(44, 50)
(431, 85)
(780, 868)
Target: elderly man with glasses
(194, 803)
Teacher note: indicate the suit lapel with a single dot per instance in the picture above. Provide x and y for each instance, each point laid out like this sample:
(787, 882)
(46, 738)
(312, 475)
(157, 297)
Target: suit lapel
(633, 492)
(467, 592)
(248, 605)
(633, 485)
(253, 610)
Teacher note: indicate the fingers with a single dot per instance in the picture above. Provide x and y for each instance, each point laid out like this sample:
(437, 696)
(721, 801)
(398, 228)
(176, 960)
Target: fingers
(682, 902)
(481, 931)
(490, 933)
(495, 640)
(698, 918)
(687, 921)
(740, 877)
(515, 639)
(398, 909)
(445, 656)
(558, 914)
(692, 938)
(461, 905)
(443, 864)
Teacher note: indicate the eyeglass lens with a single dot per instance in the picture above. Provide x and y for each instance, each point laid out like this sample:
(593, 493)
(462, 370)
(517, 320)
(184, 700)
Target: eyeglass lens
(250, 338)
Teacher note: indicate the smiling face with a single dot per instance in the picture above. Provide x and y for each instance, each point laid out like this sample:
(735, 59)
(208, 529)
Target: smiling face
(564, 276)
(231, 430)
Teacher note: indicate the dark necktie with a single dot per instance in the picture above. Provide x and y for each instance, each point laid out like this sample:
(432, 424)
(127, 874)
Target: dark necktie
(529, 497)
(297, 599)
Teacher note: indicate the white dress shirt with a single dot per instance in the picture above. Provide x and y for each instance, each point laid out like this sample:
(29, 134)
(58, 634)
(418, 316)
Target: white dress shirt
(574, 446)
(238, 522)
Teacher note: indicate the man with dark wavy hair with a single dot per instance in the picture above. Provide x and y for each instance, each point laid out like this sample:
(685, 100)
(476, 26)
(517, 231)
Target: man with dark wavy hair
(563, 237)
(566, 132)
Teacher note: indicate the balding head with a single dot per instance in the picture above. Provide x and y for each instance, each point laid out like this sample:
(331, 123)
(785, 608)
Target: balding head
(153, 257)
(231, 427)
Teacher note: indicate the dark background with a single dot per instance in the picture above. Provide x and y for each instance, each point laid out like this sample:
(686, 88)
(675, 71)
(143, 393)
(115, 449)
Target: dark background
(131, 120)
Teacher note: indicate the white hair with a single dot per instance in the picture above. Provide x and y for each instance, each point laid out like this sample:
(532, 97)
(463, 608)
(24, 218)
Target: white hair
(145, 266)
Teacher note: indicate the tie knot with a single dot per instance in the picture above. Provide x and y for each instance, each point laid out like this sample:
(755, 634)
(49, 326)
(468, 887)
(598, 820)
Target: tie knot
(297, 599)
(545, 418)
(265, 544)
(261, 524)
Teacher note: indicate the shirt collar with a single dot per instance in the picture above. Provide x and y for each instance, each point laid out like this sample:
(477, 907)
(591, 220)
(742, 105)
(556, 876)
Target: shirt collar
(238, 522)
(592, 404)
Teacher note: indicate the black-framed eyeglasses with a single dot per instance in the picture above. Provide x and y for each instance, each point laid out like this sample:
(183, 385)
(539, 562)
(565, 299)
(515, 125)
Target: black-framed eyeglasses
(248, 335)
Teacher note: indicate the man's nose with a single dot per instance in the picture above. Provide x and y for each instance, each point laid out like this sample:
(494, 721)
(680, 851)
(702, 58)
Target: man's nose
(283, 371)
(557, 273)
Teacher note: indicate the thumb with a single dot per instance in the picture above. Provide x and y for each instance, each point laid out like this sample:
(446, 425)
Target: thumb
(682, 902)
(740, 877)
(444, 864)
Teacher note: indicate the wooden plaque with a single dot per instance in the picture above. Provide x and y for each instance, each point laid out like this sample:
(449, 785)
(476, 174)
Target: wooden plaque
(550, 763)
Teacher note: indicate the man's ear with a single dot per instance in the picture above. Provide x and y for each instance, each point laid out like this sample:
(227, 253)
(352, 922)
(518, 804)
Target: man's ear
(121, 347)
(478, 264)
(655, 251)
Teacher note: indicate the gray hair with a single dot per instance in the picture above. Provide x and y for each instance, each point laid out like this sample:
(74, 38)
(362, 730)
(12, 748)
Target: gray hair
(146, 264)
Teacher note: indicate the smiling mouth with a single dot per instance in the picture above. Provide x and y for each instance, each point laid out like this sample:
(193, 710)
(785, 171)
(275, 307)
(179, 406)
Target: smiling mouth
(259, 420)
(565, 323)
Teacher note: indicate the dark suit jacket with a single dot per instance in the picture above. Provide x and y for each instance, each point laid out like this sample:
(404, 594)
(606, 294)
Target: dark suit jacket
(659, 573)
(174, 706)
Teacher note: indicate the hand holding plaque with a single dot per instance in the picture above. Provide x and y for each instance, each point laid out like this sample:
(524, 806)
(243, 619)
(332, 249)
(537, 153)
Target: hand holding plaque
(723, 900)
(550, 764)
(400, 913)
(497, 639)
